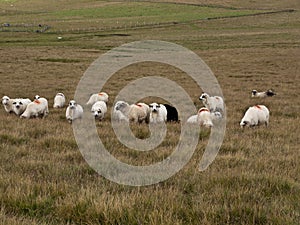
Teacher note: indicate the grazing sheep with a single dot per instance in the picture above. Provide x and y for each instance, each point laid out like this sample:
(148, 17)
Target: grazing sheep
(158, 113)
(256, 94)
(37, 108)
(117, 114)
(203, 118)
(74, 111)
(256, 115)
(172, 114)
(146, 110)
(20, 105)
(99, 109)
(213, 103)
(7, 103)
(102, 96)
(136, 112)
(59, 100)
(43, 101)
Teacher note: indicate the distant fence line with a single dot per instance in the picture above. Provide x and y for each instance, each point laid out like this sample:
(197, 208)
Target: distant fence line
(42, 28)
(24, 27)
(36, 28)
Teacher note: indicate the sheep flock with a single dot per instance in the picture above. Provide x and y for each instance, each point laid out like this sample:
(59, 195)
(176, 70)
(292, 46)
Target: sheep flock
(213, 109)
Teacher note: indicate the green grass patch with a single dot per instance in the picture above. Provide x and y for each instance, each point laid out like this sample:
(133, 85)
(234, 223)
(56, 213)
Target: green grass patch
(150, 12)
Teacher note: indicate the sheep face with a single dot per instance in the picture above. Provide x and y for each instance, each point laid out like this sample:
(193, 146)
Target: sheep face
(244, 124)
(98, 113)
(203, 97)
(254, 92)
(37, 97)
(72, 104)
(18, 104)
(121, 105)
(5, 100)
(270, 93)
(154, 107)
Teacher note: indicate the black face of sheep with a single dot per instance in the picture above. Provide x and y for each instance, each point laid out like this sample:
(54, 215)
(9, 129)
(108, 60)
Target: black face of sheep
(254, 92)
(270, 93)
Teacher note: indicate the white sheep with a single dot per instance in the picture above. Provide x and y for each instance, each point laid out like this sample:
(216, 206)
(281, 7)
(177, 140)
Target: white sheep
(37, 108)
(146, 110)
(256, 115)
(20, 105)
(59, 100)
(7, 104)
(203, 118)
(118, 115)
(102, 96)
(99, 109)
(264, 94)
(74, 111)
(213, 103)
(158, 113)
(43, 101)
(136, 112)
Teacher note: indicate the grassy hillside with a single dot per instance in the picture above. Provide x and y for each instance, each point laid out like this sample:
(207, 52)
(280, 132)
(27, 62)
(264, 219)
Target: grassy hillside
(255, 178)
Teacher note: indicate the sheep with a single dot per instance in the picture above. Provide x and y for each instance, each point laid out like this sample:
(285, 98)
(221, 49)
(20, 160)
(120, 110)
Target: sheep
(59, 100)
(7, 104)
(74, 111)
(158, 113)
(146, 110)
(118, 115)
(213, 103)
(43, 101)
(172, 114)
(264, 94)
(256, 115)
(135, 113)
(102, 96)
(20, 105)
(99, 109)
(203, 118)
(39, 107)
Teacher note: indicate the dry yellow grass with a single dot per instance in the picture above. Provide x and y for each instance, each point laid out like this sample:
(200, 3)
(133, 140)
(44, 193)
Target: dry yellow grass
(255, 177)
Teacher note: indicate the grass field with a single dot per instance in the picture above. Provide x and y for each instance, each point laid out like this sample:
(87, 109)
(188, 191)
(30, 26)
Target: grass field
(255, 178)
